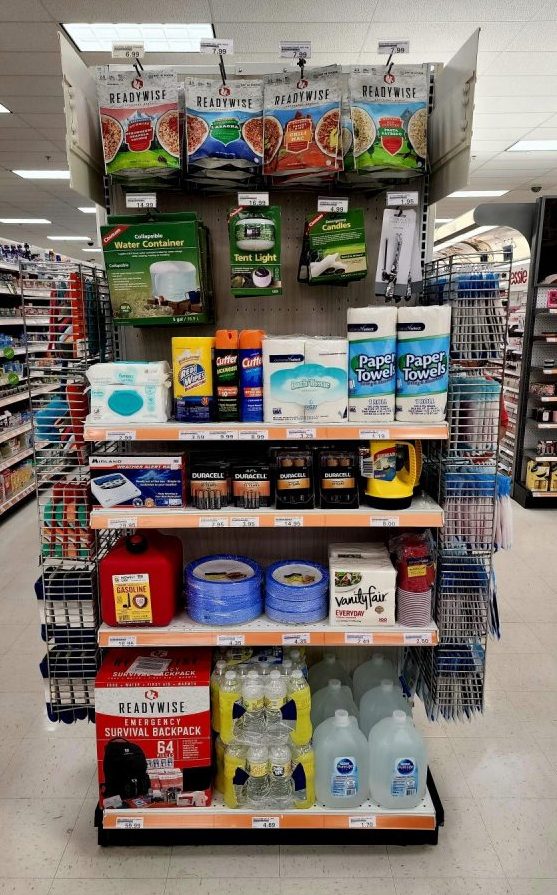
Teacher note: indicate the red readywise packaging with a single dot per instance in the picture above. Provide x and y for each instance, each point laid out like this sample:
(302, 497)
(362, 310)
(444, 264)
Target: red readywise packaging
(153, 722)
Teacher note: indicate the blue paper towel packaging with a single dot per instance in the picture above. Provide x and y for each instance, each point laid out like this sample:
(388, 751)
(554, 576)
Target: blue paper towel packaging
(371, 364)
(422, 363)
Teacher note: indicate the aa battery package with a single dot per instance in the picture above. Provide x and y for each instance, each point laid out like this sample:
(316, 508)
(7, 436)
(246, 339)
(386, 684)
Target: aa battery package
(254, 235)
(334, 248)
(251, 485)
(137, 481)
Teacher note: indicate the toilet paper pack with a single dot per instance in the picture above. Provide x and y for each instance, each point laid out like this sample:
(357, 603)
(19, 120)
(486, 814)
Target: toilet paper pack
(422, 363)
(281, 356)
(326, 392)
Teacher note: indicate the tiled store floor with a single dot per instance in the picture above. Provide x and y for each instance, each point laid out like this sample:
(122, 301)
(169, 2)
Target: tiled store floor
(495, 776)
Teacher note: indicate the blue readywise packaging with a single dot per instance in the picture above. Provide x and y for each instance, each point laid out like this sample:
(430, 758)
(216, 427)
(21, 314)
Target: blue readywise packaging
(137, 481)
(224, 123)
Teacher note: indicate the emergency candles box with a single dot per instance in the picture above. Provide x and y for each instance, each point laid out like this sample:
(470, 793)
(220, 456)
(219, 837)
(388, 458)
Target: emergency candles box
(362, 586)
(137, 481)
(153, 724)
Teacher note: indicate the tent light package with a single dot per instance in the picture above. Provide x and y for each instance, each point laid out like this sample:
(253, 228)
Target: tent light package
(153, 721)
(334, 248)
(130, 481)
(254, 236)
(158, 271)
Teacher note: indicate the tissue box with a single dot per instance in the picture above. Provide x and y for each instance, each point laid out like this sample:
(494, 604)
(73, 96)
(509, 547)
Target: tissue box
(362, 587)
(137, 481)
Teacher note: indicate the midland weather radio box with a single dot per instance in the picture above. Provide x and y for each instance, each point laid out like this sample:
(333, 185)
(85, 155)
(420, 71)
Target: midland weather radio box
(153, 721)
(130, 481)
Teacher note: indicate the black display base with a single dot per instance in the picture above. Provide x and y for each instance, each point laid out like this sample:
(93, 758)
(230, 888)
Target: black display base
(530, 501)
(231, 836)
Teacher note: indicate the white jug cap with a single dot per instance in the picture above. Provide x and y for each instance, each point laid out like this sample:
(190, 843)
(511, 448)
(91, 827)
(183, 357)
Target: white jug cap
(399, 716)
(341, 718)
(387, 684)
(334, 683)
(329, 658)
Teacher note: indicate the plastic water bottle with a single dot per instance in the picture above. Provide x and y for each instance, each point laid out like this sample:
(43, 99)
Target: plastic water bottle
(398, 763)
(234, 757)
(298, 659)
(287, 667)
(258, 784)
(326, 726)
(304, 755)
(220, 749)
(275, 697)
(370, 675)
(326, 701)
(230, 692)
(217, 678)
(253, 701)
(380, 702)
(298, 690)
(341, 765)
(320, 674)
(280, 787)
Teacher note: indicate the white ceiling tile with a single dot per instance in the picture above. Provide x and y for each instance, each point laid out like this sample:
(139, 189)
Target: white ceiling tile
(513, 62)
(489, 145)
(494, 86)
(24, 11)
(138, 11)
(496, 120)
(266, 38)
(512, 104)
(543, 133)
(537, 36)
(27, 85)
(31, 103)
(431, 38)
(30, 64)
(503, 134)
(50, 121)
(292, 11)
(472, 10)
(42, 38)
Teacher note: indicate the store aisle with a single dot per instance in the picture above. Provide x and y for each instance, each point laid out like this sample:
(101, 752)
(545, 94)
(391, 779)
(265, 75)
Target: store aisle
(494, 775)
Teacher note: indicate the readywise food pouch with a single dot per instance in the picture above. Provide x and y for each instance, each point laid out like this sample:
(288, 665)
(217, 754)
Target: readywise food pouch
(389, 118)
(302, 123)
(224, 123)
(140, 122)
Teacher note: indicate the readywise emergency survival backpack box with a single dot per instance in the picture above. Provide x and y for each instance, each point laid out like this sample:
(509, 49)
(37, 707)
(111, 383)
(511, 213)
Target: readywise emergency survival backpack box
(153, 722)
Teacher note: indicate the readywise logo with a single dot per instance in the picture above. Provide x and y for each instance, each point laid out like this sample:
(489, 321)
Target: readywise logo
(416, 368)
(151, 694)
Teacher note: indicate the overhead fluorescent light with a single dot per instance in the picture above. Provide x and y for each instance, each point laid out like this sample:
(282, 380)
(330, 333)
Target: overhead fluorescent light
(91, 250)
(463, 237)
(4, 110)
(24, 221)
(50, 174)
(443, 220)
(88, 209)
(533, 146)
(473, 194)
(69, 238)
(98, 37)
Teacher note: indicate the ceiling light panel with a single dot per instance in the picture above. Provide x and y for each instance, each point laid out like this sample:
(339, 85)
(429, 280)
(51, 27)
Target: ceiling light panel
(88, 209)
(24, 221)
(169, 38)
(38, 174)
(69, 238)
(472, 194)
(534, 146)
(4, 110)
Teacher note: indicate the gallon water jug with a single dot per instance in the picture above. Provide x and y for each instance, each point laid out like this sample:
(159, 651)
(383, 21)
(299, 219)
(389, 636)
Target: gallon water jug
(370, 675)
(341, 765)
(326, 726)
(321, 673)
(141, 580)
(326, 701)
(380, 702)
(397, 762)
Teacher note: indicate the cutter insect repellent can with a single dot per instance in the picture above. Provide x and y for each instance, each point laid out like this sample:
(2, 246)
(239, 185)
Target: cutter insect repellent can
(251, 376)
(227, 375)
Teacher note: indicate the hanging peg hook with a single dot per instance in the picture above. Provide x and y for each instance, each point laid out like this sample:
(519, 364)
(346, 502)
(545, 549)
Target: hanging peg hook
(222, 70)
(302, 64)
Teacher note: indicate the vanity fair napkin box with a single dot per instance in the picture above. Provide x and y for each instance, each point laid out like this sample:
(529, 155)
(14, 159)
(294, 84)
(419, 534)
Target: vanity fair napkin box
(362, 586)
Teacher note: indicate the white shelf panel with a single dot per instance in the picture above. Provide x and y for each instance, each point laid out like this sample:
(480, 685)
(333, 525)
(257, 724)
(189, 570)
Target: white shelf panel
(15, 498)
(15, 458)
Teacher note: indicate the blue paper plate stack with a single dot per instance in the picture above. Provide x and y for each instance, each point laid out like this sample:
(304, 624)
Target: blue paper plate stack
(296, 592)
(224, 590)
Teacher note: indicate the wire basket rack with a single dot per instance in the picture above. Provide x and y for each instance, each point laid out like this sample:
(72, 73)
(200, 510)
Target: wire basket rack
(451, 676)
(66, 309)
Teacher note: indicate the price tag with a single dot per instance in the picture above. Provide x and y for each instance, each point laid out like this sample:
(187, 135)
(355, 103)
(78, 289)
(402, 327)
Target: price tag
(193, 435)
(213, 522)
(332, 204)
(253, 199)
(361, 822)
(404, 200)
(217, 46)
(295, 49)
(297, 639)
(253, 435)
(224, 435)
(123, 522)
(265, 823)
(120, 435)
(357, 639)
(374, 434)
(418, 639)
(127, 50)
(396, 47)
(141, 200)
(384, 521)
(301, 434)
(122, 640)
(129, 823)
(289, 521)
(231, 639)
(245, 522)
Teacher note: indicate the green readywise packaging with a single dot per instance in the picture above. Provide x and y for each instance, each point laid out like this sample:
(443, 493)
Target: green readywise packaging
(254, 235)
(334, 248)
(158, 270)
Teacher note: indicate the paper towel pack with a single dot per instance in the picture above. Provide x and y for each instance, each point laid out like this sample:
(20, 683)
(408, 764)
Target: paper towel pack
(423, 363)
(372, 364)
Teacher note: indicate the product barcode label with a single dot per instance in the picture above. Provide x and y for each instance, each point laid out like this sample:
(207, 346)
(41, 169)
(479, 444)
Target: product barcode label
(296, 639)
(231, 639)
(333, 204)
(384, 521)
(254, 435)
(245, 522)
(361, 822)
(300, 434)
(122, 640)
(357, 639)
(213, 522)
(193, 435)
(129, 823)
(120, 435)
(122, 522)
(374, 434)
(418, 639)
(289, 521)
(148, 665)
(265, 823)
